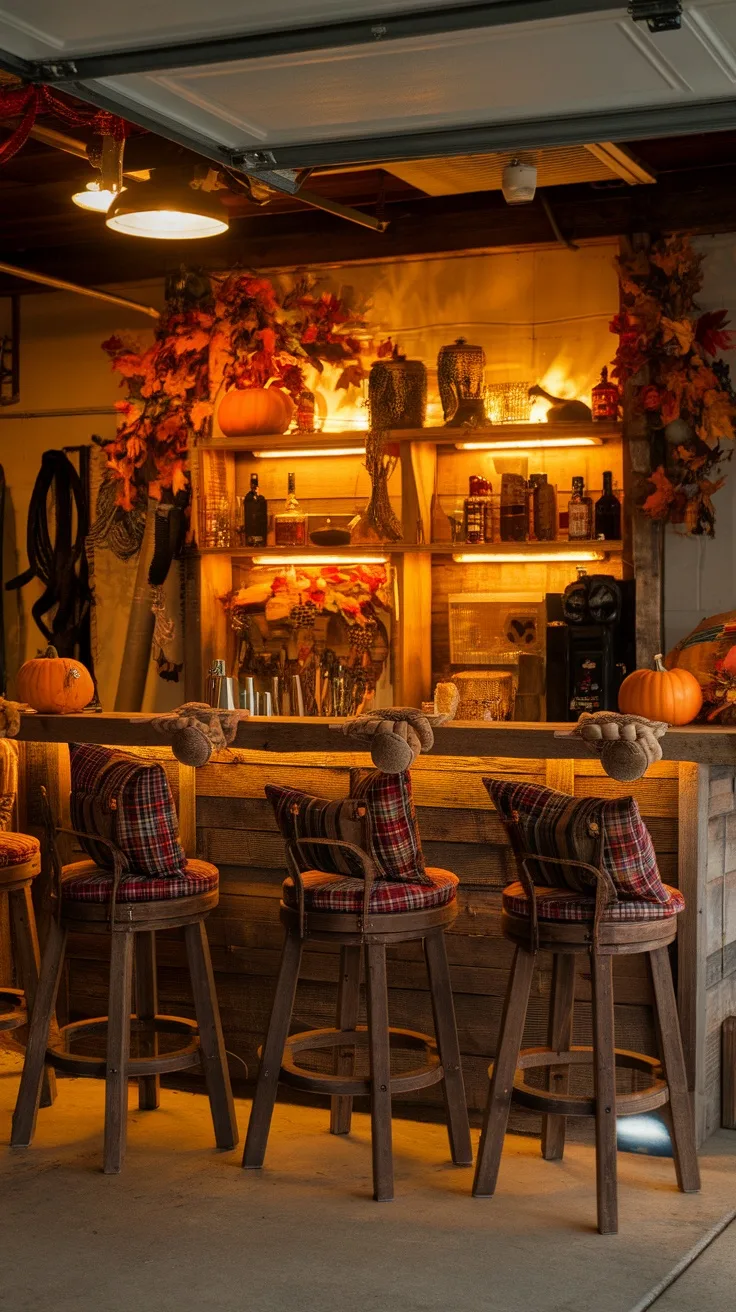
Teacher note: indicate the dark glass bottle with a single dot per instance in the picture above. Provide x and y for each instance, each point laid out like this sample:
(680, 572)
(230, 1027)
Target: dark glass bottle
(580, 512)
(514, 509)
(255, 515)
(608, 511)
(543, 508)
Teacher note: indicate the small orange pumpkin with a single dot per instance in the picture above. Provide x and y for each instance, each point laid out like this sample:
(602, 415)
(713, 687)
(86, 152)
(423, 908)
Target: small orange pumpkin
(55, 685)
(659, 694)
(251, 411)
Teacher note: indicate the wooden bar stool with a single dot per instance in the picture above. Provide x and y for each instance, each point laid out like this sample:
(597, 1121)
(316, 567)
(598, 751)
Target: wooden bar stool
(364, 918)
(20, 862)
(571, 925)
(131, 908)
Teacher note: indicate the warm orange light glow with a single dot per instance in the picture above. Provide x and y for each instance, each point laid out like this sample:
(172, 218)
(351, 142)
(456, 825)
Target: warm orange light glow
(522, 444)
(297, 453)
(318, 559)
(526, 558)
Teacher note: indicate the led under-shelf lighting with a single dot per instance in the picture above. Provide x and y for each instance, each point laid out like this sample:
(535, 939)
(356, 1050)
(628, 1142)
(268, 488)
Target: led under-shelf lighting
(526, 558)
(298, 453)
(528, 444)
(319, 559)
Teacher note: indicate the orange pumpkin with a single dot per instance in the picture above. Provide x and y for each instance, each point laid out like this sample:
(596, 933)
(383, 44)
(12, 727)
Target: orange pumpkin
(251, 411)
(659, 694)
(55, 684)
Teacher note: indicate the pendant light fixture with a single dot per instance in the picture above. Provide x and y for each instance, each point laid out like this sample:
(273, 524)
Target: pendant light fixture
(167, 209)
(93, 196)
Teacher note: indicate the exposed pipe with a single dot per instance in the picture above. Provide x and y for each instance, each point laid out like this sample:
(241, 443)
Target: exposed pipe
(554, 225)
(60, 141)
(79, 412)
(60, 284)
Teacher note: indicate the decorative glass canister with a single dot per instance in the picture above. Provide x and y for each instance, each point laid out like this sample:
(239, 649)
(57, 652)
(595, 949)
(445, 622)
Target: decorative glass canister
(460, 378)
(397, 394)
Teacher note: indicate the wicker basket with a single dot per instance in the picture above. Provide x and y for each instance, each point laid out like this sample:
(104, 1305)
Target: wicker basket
(487, 695)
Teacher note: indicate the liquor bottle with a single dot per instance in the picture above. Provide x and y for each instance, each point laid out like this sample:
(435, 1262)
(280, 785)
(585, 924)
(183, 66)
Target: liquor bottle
(543, 508)
(474, 510)
(608, 511)
(255, 515)
(580, 512)
(604, 399)
(290, 526)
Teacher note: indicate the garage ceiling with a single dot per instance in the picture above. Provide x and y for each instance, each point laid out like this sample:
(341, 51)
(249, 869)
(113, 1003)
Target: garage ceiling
(325, 85)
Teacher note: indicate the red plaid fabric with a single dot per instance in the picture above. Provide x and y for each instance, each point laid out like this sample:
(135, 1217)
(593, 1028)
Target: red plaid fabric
(566, 904)
(16, 849)
(300, 816)
(341, 893)
(393, 833)
(85, 882)
(129, 802)
(547, 823)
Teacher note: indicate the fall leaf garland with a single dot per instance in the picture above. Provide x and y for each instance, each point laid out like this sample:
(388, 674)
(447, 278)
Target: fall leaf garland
(689, 403)
(237, 331)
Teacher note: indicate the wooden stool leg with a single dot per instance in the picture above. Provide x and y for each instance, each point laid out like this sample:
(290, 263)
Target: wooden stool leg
(673, 1061)
(146, 1006)
(559, 1038)
(118, 1050)
(273, 1051)
(31, 1082)
(445, 1028)
(211, 1042)
(27, 959)
(348, 1006)
(499, 1094)
(380, 1065)
(604, 1073)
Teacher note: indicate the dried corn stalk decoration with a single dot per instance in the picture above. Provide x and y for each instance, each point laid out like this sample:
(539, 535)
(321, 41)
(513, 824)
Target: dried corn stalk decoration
(379, 520)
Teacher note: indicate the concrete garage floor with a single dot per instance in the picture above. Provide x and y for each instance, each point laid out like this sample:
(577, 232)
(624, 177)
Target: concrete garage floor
(183, 1229)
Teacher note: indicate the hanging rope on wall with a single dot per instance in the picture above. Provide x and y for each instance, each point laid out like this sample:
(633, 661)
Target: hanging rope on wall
(60, 565)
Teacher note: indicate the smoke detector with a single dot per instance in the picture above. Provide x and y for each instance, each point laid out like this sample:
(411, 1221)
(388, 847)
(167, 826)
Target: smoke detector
(519, 182)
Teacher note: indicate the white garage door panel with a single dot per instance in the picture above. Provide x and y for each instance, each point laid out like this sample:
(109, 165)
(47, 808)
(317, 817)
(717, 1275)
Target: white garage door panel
(491, 75)
(37, 29)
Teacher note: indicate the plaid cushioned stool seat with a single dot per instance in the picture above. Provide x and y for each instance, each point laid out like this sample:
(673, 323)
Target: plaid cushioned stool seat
(323, 892)
(86, 882)
(567, 904)
(17, 848)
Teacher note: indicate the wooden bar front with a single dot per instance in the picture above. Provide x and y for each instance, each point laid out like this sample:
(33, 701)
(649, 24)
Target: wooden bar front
(687, 801)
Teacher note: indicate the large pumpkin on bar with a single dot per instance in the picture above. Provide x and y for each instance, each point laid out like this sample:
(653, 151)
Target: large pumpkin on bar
(55, 685)
(659, 694)
(254, 411)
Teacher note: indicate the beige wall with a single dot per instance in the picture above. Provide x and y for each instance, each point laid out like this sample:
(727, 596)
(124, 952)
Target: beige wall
(540, 313)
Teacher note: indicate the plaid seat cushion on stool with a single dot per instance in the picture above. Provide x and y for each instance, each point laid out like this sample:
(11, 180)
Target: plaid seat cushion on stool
(324, 892)
(15, 849)
(86, 882)
(128, 801)
(548, 823)
(393, 833)
(567, 904)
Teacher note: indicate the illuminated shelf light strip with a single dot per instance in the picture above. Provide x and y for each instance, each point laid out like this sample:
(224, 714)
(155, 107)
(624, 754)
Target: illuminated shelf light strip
(528, 444)
(526, 558)
(320, 560)
(295, 453)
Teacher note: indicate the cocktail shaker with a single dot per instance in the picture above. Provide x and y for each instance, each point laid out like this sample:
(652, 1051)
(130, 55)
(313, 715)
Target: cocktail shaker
(222, 691)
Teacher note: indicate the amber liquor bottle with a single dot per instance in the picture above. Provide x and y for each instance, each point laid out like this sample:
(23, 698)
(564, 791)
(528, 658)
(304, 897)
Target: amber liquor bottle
(580, 512)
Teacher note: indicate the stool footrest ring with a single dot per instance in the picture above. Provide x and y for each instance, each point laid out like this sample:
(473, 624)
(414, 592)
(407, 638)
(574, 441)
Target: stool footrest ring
(76, 1063)
(299, 1077)
(13, 1011)
(566, 1104)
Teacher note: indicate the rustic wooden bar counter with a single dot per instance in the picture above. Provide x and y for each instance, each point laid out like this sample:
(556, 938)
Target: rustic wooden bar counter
(687, 801)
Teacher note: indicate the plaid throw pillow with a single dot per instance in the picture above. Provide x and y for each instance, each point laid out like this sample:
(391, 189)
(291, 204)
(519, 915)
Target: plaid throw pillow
(129, 802)
(608, 833)
(300, 817)
(393, 833)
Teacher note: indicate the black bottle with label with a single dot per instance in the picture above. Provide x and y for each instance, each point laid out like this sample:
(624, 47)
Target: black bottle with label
(608, 512)
(255, 515)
